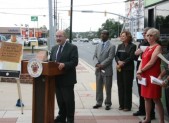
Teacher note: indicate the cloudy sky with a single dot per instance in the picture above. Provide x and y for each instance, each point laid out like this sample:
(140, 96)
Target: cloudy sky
(17, 12)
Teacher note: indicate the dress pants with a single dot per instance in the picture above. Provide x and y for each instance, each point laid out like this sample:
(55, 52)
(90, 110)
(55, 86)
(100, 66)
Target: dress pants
(101, 82)
(66, 102)
(125, 83)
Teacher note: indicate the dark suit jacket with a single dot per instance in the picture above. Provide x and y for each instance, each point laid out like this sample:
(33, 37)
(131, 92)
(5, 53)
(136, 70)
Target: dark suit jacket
(127, 55)
(69, 57)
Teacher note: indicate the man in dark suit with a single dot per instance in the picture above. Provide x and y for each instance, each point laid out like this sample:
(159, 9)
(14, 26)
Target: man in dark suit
(66, 55)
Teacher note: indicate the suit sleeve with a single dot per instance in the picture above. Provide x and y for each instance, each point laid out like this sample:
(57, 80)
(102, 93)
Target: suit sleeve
(73, 58)
(95, 59)
(131, 55)
(116, 55)
(51, 54)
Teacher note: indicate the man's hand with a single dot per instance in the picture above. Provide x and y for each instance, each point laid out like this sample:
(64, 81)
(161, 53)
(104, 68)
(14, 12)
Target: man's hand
(121, 63)
(99, 66)
(61, 66)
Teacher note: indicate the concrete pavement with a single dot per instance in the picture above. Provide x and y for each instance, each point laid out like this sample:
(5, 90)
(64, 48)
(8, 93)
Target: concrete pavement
(84, 99)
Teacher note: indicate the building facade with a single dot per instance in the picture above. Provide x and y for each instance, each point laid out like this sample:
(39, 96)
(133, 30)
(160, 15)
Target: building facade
(157, 15)
(134, 11)
(23, 31)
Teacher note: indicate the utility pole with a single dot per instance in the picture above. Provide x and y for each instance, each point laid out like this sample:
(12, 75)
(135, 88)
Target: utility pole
(71, 16)
(51, 34)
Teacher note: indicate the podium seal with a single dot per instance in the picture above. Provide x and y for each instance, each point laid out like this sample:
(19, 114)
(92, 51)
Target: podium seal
(34, 67)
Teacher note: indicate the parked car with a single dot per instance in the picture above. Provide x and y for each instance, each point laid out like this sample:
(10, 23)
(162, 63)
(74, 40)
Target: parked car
(32, 41)
(85, 40)
(42, 41)
(2, 38)
(96, 41)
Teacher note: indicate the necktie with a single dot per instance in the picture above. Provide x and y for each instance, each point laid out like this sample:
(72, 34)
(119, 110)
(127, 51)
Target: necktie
(59, 53)
(102, 46)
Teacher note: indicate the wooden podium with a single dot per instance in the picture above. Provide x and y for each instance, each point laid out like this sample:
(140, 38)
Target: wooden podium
(43, 92)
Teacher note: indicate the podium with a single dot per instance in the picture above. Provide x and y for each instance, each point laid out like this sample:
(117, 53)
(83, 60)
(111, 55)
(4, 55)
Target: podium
(43, 92)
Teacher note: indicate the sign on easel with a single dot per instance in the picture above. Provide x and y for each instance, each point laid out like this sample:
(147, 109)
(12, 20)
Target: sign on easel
(10, 59)
(10, 63)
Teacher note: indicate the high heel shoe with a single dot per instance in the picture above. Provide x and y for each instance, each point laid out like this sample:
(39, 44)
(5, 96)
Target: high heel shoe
(145, 122)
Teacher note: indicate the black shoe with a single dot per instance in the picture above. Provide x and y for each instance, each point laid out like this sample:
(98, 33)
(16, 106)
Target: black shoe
(152, 117)
(107, 108)
(120, 108)
(138, 113)
(145, 122)
(97, 106)
(70, 122)
(59, 119)
(126, 109)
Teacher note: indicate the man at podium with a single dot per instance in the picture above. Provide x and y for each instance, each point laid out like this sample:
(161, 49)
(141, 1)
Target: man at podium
(66, 55)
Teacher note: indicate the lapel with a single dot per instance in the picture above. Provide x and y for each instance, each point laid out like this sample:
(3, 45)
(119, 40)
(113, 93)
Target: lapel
(105, 47)
(55, 52)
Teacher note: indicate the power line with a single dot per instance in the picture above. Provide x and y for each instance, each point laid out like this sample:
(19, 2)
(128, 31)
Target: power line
(91, 4)
(20, 14)
(68, 6)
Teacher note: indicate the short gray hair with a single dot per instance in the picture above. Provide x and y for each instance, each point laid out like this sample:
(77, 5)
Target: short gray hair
(154, 32)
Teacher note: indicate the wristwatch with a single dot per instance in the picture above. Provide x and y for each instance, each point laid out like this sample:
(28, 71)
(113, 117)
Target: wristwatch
(166, 81)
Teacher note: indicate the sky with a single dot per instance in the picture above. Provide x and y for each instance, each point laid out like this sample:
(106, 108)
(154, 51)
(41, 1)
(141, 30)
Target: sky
(14, 13)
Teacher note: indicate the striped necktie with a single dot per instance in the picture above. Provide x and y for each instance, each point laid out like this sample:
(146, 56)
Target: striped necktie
(59, 53)
(102, 46)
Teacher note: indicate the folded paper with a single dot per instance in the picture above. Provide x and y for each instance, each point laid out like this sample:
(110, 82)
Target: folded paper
(142, 81)
(156, 81)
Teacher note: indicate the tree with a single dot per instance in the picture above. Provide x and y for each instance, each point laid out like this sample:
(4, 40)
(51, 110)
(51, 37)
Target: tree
(162, 23)
(67, 30)
(112, 26)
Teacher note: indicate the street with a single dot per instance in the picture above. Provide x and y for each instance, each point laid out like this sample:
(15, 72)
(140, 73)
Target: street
(86, 51)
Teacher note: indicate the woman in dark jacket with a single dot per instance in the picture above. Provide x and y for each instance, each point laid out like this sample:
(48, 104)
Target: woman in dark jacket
(125, 70)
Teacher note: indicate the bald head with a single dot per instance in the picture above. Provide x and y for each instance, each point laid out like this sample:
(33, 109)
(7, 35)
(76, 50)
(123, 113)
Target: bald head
(61, 37)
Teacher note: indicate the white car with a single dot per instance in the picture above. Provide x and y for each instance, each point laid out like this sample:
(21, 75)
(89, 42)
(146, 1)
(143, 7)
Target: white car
(32, 41)
(96, 41)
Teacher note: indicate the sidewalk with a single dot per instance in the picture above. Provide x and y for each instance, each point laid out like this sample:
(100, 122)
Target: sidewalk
(84, 99)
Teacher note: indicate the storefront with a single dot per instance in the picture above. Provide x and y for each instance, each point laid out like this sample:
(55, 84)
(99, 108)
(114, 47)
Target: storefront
(23, 31)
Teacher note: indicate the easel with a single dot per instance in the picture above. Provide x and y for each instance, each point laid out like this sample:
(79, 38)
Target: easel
(6, 74)
(10, 56)
(19, 94)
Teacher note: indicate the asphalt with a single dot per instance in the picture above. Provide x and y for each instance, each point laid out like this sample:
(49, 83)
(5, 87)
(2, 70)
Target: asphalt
(84, 100)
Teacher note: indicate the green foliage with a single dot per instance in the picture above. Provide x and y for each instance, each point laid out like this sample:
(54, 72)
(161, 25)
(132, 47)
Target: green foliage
(112, 26)
(162, 21)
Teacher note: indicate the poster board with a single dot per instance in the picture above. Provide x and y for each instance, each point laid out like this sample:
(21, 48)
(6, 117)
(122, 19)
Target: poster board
(10, 52)
(10, 59)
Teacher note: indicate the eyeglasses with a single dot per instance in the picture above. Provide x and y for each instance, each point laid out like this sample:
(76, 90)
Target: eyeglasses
(149, 35)
(59, 36)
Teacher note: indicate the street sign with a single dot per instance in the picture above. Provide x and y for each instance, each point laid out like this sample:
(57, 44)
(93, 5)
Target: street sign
(34, 18)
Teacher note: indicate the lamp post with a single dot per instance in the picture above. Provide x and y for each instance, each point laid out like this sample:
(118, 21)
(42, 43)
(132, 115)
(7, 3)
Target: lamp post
(71, 16)
(51, 33)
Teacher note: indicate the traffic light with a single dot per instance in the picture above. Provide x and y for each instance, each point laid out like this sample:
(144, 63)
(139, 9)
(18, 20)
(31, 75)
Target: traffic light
(105, 13)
